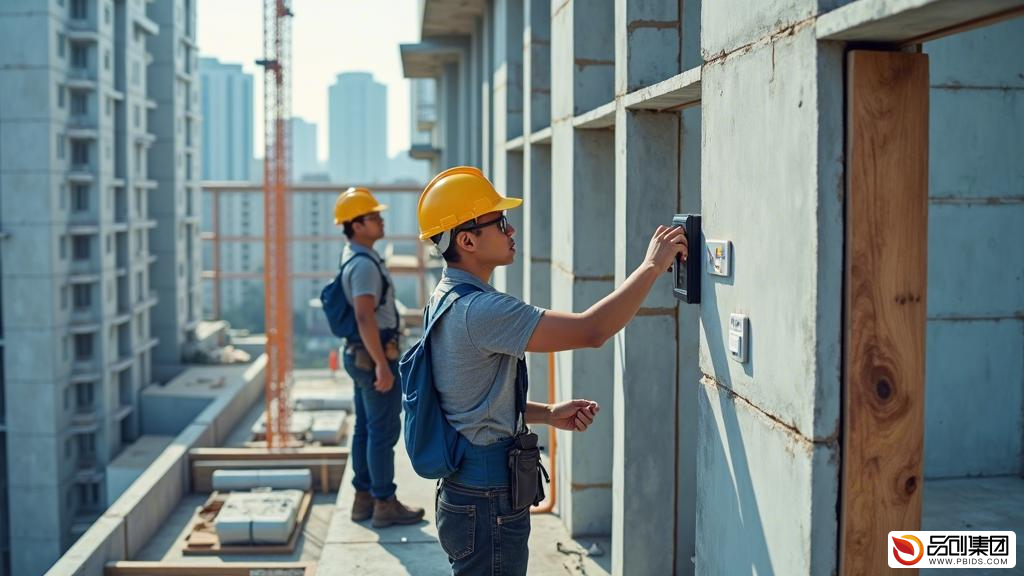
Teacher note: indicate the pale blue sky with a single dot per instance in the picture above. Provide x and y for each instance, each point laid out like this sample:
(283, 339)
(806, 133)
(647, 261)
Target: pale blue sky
(328, 37)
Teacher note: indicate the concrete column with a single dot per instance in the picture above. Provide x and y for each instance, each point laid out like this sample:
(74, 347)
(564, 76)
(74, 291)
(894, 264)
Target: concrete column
(536, 230)
(646, 351)
(582, 204)
(537, 64)
(507, 97)
(688, 379)
(647, 41)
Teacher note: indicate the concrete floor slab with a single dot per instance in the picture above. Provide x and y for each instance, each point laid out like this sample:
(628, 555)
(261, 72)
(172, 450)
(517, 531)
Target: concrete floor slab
(976, 504)
(359, 549)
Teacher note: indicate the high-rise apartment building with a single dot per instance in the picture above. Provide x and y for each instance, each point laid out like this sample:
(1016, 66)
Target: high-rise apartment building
(87, 198)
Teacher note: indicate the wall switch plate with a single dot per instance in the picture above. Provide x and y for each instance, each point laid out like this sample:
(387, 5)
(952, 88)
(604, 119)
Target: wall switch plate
(718, 257)
(739, 337)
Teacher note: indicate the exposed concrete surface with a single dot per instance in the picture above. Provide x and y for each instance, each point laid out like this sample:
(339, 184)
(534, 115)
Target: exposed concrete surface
(358, 549)
(974, 394)
(976, 504)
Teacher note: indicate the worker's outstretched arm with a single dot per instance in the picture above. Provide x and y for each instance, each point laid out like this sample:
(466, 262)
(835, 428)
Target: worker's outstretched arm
(369, 333)
(558, 331)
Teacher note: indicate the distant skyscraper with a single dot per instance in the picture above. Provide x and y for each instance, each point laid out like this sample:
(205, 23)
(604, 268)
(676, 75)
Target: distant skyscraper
(358, 127)
(227, 121)
(304, 149)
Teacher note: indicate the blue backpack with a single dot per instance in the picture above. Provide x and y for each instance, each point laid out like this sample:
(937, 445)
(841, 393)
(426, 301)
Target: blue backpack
(340, 314)
(434, 446)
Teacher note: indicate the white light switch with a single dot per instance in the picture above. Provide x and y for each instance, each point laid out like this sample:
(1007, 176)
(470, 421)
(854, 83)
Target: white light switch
(739, 337)
(718, 257)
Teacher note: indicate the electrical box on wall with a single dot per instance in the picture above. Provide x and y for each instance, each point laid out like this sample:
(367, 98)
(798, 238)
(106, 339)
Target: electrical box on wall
(718, 254)
(687, 274)
(739, 337)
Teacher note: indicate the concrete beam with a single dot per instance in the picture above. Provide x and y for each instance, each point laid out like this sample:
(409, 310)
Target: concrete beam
(900, 21)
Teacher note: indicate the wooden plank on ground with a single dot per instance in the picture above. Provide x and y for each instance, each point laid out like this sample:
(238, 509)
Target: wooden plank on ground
(885, 304)
(134, 568)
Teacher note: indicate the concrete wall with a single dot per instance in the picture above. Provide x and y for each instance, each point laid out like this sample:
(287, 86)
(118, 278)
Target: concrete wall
(771, 181)
(974, 399)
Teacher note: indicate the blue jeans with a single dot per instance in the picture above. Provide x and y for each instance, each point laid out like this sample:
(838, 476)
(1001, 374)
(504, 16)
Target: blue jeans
(378, 424)
(481, 532)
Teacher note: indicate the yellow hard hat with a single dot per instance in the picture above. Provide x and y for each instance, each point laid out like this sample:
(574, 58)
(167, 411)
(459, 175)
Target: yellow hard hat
(455, 196)
(353, 203)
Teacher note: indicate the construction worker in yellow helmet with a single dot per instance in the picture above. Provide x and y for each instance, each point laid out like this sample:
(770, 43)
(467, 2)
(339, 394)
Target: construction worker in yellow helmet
(478, 338)
(371, 360)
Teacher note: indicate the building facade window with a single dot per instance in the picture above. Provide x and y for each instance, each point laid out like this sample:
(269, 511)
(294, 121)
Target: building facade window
(82, 296)
(80, 197)
(83, 351)
(79, 104)
(81, 248)
(61, 45)
(79, 56)
(80, 153)
(79, 9)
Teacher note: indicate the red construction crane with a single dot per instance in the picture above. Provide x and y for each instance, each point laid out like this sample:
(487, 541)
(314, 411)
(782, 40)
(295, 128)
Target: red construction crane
(276, 63)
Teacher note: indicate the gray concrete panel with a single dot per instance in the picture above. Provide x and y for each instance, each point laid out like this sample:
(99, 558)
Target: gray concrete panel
(593, 53)
(974, 398)
(643, 470)
(975, 263)
(592, 242)
(771, 183)
(978, 58)
(647, 43)
(976, 142)
(767, 496)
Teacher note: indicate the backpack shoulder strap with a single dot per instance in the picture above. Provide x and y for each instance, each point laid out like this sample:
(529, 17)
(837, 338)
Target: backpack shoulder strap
(446, 301)
(384, 284)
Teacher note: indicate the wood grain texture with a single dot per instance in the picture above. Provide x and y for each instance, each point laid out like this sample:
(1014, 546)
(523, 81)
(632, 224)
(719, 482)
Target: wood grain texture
(885, 304)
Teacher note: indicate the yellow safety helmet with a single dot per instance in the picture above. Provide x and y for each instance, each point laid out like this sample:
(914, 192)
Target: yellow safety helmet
(455, 196)
(353, 203)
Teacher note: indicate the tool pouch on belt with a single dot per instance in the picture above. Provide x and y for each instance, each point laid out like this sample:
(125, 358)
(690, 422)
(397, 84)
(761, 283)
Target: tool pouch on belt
(526, 469)
(524, 464)
(364, 361)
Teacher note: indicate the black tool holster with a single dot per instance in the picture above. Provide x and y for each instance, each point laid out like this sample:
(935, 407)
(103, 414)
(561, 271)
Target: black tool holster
(525, 468)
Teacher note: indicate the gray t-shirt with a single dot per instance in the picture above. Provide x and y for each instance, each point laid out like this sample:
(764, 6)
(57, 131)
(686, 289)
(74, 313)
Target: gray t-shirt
(474, 348)
(362, 277)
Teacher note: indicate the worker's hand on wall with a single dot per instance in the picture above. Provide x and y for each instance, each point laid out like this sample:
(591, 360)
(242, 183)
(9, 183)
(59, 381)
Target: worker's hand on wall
(573, 415)
(385, 378)
(667, 242)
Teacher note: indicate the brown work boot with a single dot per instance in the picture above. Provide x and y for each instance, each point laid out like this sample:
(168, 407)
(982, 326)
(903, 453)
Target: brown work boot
(391, 511)
(362, 506)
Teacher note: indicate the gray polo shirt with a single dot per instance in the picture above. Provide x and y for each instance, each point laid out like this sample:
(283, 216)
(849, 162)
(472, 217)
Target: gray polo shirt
(362, 277)
(474, 348)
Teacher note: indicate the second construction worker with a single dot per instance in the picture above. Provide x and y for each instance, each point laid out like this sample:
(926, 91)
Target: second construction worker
(371, 359)
(476, 351)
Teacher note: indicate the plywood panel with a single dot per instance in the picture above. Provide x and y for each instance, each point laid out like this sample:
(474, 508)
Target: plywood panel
(885, 308)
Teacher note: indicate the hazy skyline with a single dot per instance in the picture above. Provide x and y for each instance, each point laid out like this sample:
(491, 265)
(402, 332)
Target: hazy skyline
(328, 37)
